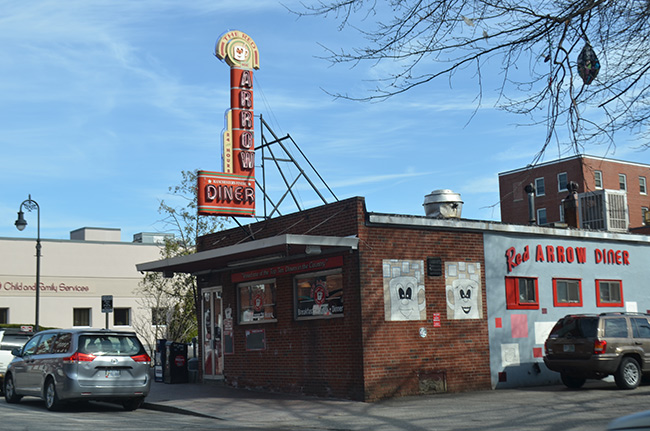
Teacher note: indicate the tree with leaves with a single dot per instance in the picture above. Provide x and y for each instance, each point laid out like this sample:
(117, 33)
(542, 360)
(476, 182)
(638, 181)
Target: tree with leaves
(173, 302)
(579, 64)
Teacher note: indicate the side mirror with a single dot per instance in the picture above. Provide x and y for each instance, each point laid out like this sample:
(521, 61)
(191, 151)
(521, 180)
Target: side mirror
(16, 351)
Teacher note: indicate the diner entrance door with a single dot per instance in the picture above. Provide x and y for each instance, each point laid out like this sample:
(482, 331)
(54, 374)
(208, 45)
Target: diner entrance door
(211, 309)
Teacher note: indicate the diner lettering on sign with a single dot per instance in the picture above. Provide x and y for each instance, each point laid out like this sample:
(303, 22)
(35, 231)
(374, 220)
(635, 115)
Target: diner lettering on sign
(562, 254)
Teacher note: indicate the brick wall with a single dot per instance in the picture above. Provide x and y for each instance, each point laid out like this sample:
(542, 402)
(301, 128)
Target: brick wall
(396, 358)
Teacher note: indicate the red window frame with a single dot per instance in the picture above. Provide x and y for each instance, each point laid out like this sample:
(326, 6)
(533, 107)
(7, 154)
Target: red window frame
(512, 295)
(557, 303)
(600, 303)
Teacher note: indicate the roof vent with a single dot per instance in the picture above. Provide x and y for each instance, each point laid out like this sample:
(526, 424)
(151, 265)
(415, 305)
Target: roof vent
(443, 204)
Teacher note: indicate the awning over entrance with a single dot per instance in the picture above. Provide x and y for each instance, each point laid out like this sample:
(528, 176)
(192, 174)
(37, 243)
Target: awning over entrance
(252, 253)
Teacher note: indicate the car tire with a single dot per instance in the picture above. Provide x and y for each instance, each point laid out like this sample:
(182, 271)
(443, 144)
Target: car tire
(51, 398)
(571, 381)
(10, 390)
(132, 404)
(628, 375)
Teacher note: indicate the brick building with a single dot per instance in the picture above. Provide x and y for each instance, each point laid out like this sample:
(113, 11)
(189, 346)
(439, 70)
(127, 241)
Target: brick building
(594, 175)
(337, 301)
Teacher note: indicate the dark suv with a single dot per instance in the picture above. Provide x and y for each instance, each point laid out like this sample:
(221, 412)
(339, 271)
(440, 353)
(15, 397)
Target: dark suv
(593, 346)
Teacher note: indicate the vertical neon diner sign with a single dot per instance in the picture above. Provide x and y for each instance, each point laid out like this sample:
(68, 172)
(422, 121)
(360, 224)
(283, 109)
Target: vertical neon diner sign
(232, 192)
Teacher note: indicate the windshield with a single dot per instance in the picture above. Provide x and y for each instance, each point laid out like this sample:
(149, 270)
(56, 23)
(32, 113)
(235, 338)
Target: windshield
(576, 327)
(110, 344)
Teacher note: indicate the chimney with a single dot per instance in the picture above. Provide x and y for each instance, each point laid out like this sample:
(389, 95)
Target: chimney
(530, 190)
(570, 206)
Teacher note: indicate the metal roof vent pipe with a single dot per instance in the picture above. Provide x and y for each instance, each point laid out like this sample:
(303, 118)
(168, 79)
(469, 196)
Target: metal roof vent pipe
(570, 206)
(530, 191)
(443, 204)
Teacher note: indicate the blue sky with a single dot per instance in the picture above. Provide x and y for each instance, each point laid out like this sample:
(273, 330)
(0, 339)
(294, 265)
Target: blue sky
(104, 103)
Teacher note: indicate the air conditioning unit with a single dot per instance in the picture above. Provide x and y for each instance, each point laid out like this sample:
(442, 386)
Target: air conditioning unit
(604, 210)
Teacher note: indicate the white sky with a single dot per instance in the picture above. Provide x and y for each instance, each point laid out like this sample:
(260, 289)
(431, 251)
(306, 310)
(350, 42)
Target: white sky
(104, 103)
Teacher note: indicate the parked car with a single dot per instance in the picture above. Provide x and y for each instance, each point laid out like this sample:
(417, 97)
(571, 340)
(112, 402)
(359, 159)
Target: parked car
(10, 338)
(590, 346)
(80, 364)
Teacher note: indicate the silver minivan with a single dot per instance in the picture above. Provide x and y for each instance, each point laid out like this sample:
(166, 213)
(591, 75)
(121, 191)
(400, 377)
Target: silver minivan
(60, 365)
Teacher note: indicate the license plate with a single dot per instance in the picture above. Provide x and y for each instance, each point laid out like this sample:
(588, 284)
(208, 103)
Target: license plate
(113, 373)
(569, 348)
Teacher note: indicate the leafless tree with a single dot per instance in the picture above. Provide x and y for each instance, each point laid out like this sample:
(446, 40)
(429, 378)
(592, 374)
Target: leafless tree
(536, 44)
(170, 305)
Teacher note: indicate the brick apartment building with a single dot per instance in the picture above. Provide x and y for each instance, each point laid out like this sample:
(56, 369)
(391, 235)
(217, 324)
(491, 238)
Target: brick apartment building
(340, 302)
(595, 176)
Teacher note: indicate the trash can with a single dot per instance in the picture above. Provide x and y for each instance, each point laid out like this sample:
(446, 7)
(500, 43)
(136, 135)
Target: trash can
(193, 370)
(175, 363)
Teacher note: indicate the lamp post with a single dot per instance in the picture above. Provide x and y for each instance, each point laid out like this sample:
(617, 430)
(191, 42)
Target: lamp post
(29, 204)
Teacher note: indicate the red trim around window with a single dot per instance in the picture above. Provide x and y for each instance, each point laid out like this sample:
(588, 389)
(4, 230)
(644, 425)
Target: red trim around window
(600, 303)
(557, 303)
(512, 295)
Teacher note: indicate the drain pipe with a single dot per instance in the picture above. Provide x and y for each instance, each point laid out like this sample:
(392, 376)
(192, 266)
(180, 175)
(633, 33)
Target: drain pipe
(530, 190)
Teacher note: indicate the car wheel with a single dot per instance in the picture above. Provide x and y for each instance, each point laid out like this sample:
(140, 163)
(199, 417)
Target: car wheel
(10, 390)
(132, 404)
(51, 398)
(628, 375)
(572, 382)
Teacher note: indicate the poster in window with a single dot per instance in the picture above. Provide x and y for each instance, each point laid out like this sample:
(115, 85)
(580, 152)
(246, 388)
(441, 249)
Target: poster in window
(257, 302)
(319, 295)
(404, 294)
(463, 290)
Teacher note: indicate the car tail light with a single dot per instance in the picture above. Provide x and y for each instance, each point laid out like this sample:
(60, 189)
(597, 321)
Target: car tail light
(599, 347)
(78, 357)
(144, 358)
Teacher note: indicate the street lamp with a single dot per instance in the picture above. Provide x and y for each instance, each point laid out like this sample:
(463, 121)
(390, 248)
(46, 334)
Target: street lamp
(21, 223)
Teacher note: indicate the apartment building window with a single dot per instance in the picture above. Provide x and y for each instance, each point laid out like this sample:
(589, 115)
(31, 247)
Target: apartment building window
(540, 190)
(562, 182)
(644, 210)
(642, 186)
(561, 213)
(541, 216)
(567, 293)
(122, 317)
(4, 315)
(622, 182)
(81, 317)
(598, 179)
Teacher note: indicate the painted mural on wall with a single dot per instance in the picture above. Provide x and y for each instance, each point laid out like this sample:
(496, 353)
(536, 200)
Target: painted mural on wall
(463, 290)
(404, 297)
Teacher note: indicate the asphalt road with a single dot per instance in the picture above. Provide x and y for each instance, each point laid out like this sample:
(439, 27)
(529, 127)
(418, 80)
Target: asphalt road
(532, 409)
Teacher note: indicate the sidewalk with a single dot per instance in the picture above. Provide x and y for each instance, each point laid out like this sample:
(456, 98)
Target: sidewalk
(222, 402)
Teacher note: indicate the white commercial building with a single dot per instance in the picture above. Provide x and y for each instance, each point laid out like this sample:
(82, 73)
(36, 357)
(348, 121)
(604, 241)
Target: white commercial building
(74, 275)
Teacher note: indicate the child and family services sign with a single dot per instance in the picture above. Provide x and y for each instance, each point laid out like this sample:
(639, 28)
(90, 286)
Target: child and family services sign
(232, 192)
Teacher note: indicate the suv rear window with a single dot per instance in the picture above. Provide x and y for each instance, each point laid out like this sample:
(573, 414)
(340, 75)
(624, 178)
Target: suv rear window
(110, 344)
(576, 327)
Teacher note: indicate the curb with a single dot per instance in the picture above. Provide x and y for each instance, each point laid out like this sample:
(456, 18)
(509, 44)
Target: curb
(177, 410)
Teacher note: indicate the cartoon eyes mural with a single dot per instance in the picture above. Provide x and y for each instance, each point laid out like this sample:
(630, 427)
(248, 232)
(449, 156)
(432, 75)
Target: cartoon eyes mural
(407, 295)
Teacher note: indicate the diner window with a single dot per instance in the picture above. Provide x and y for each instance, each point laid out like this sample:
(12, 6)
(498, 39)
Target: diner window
(81, 317)
(609, 293)
(521, 293)
(622, 182)
(159, 316)
(562, 182)
(4, 315)
(318, 295)
(257, 302)
(540, 190)
(541, 216)
(122, 317)
(567, 292)
(642, 186)
(598, 179)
